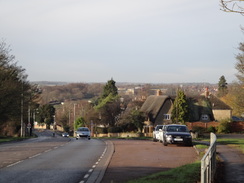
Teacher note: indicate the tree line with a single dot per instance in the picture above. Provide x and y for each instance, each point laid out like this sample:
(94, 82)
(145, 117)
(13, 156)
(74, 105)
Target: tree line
(17, 95)
(20, 101)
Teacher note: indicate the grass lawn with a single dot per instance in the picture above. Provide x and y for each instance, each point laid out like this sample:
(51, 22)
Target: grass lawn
(189, 173)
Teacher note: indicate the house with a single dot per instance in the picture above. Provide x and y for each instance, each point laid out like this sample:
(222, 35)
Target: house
(158, 109)
(203, 108)
(220, 109)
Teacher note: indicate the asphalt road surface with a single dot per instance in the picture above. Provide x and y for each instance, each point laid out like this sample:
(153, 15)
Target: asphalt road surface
(49, 159)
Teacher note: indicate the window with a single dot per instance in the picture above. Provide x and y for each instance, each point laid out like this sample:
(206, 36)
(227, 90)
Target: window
(167, 116)
(204, 117)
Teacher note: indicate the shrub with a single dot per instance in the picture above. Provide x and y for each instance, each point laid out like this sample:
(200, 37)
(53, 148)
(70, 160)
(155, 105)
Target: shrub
(114, 129)
(212, 129)
(200, 130)
(101, 130)
(224, 127)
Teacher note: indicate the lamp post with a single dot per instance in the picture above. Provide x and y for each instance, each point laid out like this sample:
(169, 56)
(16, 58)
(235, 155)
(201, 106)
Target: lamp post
(22, 134)
(21, 114)
(74, 118)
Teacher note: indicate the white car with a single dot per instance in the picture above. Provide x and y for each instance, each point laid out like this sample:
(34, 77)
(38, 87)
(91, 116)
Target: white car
(83, 132)
(156, 130)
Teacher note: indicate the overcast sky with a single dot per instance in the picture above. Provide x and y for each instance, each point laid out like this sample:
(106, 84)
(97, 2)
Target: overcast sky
(149, 41)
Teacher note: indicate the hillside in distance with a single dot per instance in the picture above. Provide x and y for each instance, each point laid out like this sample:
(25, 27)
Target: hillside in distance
(63, 91)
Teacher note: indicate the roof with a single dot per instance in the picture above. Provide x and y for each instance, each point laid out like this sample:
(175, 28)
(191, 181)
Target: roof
(153, 104)
(218, 104)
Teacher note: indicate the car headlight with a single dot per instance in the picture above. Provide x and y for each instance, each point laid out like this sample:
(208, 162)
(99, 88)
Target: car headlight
(188, 136)
(168, 136)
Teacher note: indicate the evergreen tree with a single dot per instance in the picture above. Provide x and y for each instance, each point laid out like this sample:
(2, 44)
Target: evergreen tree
(222, 87)
(110, 89)
(109, 104)
(137, 118)
(180, 108)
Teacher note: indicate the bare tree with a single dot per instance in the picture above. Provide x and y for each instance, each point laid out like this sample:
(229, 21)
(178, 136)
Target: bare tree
(235, 6)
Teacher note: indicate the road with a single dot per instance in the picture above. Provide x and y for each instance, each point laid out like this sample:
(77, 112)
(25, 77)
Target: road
(49, 159)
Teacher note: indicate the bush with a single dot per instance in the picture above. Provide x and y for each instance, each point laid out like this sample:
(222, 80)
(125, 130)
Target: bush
(129, 127)
(200, 130)
(114, 130)
(224, 127)
(101, 130)
(212, 129)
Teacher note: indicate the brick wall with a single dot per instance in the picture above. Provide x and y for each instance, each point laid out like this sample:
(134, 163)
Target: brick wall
(235, 126)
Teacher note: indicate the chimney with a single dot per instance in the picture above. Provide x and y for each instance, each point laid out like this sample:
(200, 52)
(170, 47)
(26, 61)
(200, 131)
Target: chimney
(206, 93)
(159, 92)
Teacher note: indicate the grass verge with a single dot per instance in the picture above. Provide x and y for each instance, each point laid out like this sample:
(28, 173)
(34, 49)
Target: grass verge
(189, 173)
(236, 143)
(9, 139)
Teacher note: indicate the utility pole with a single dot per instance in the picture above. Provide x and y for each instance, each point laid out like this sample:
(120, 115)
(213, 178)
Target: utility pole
(74, 119)
(21, 115)
(22, 128)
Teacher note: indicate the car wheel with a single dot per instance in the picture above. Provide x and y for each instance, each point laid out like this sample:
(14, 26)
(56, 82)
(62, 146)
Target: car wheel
(189, 144)
(154, 139)
(165, 143)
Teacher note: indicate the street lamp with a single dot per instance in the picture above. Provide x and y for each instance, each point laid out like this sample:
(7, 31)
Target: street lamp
(74, 117)
(21, 114)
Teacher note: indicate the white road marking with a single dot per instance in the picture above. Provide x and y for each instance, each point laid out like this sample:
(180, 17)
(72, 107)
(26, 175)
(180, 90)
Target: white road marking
(86, 176)
(15, 163)
(35, 155)
(94, 166)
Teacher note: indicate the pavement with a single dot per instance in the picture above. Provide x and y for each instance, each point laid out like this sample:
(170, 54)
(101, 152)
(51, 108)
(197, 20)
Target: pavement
(233, 161)
(128, 162)
(133, 159)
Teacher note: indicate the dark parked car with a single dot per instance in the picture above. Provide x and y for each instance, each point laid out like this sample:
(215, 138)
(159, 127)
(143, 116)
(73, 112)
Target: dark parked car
(65, 134)
(177, 134)
(83, 132)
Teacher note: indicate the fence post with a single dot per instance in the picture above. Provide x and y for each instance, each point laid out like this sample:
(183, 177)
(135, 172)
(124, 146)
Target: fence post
(208, 162)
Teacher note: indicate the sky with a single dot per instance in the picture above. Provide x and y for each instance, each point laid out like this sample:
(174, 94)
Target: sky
(146, 41)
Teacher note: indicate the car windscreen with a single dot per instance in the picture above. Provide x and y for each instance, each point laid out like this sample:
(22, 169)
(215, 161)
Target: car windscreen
(177, 129)
(158, 127)
(83, 129)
